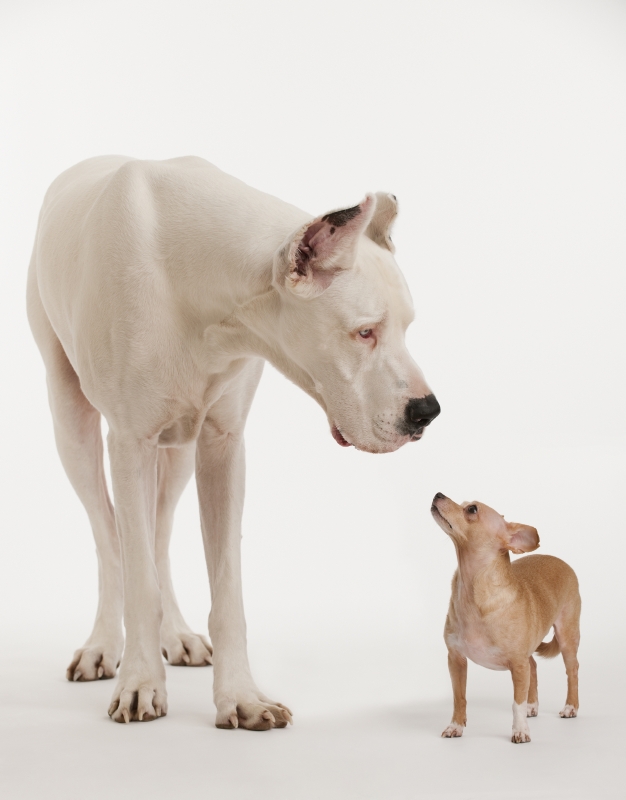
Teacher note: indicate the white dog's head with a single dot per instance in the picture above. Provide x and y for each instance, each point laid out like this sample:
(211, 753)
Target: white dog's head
(344, 311)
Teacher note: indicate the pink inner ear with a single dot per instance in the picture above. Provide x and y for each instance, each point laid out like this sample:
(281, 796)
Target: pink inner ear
(327, 238)
(306, 248)
(524, 539)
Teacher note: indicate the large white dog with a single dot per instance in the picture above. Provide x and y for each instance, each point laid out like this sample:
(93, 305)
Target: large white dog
(156, 291)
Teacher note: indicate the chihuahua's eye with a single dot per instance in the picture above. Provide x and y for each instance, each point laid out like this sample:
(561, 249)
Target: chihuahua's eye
(471, 510)
(365, 334)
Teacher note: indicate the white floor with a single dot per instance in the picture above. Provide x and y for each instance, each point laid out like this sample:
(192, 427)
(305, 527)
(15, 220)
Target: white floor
(367, 725)
(345, 618)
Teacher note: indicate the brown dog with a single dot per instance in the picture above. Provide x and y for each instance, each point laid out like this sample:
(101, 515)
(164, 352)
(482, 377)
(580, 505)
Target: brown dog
(500, 611)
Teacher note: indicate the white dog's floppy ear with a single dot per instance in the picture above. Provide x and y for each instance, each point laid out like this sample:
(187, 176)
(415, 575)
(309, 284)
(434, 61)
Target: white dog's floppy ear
(521, 538)
(379, 229)
(307, 263)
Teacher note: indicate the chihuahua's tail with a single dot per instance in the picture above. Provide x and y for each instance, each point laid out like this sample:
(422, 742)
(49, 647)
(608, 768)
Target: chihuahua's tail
(549, 649)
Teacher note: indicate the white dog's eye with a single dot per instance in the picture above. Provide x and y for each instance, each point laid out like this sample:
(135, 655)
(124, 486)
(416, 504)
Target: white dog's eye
(471, 509)
(365, 334)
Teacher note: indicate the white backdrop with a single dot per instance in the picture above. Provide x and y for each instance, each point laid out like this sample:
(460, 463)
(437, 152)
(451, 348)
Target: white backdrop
(500, 126)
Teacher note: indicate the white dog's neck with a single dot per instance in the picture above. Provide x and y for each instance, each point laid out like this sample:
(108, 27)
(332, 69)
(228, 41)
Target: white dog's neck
(245, 333)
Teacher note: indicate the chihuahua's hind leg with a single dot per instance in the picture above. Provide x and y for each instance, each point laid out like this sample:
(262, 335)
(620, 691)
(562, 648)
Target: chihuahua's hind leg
(568, 637)
(457, 664)
(532, 706)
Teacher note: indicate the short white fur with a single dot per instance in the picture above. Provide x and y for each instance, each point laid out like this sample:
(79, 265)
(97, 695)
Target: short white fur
(156, 291)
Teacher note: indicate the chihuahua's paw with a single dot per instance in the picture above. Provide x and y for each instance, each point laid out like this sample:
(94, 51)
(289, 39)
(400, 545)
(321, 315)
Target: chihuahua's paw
(521, 732)
(532, 709)
(569, 712)
(453, 731)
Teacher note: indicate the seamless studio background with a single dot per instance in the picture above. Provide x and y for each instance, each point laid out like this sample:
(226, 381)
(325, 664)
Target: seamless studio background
(501, 129)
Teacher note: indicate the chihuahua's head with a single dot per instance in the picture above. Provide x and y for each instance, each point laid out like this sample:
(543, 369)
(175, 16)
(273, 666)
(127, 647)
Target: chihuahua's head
(475, 526)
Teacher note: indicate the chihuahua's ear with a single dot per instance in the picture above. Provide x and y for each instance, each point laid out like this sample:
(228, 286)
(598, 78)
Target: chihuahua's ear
(521, 538)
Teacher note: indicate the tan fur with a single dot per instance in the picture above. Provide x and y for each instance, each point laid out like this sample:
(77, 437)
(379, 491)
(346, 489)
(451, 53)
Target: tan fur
(549, 649)
(500, 611)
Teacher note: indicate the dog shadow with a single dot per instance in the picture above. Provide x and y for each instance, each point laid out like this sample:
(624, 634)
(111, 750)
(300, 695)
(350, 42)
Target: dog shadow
(430, 717)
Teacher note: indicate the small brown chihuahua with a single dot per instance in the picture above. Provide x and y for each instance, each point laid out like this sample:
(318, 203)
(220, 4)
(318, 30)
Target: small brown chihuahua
(500, 611)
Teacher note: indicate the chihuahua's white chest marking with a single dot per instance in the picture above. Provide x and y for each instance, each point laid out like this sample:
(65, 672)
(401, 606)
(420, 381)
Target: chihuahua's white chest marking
(476, 646)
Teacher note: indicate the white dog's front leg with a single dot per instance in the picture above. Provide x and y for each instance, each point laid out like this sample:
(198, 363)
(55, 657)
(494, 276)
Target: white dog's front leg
(220, 479)
(140, 691)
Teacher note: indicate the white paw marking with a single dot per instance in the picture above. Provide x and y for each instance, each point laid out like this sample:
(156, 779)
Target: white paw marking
(521, 731)
(569, 712)
(532, 709)
(453, 731)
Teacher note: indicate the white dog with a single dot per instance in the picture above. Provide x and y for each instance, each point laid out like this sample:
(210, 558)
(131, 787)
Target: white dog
(156, 290)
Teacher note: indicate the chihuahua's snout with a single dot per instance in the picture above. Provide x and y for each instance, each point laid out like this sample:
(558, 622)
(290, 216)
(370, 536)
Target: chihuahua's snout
(439, 496)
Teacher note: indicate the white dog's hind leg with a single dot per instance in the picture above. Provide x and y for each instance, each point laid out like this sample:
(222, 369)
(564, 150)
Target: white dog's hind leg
(220, 479)
(179, 644)
(79, 443)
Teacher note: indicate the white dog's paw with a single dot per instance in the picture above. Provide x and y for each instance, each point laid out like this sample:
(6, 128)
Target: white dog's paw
(569, 712)
(453, 731)
(184, 648)
(95, 662)
(532, 709)
(138, 697)
(253, 711)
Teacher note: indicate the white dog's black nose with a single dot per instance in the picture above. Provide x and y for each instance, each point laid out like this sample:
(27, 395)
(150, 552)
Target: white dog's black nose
(420, 412)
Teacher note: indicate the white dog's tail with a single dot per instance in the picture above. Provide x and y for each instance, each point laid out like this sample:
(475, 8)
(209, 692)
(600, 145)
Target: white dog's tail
(549, 649)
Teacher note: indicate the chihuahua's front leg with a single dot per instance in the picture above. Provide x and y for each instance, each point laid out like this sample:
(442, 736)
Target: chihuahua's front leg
(140, 691)
(457, 664)
(520, 672)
